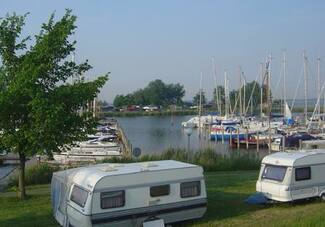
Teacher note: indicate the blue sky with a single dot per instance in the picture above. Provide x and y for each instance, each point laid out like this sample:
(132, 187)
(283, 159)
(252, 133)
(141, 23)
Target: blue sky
(174, 40)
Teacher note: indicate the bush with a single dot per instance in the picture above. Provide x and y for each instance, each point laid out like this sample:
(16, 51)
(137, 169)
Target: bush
(39, 174)
(207, 158)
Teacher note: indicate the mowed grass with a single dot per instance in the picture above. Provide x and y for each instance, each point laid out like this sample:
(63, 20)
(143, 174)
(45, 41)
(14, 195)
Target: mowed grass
(226, 194)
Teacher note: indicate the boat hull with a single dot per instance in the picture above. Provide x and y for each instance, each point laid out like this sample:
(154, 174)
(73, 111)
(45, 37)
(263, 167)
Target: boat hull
(226, 136)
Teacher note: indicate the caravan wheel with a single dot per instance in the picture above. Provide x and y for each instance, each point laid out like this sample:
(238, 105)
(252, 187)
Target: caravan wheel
(322, 196)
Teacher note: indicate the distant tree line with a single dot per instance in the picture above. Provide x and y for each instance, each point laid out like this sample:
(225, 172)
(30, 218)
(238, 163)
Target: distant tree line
(156, 93)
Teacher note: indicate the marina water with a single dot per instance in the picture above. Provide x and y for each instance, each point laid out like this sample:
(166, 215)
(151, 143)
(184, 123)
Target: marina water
(154, 134)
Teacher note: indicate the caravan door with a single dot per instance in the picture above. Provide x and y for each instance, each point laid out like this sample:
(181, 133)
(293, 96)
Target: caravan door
(302, 186)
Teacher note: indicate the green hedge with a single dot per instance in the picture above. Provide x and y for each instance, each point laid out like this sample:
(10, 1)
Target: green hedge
(207, 158)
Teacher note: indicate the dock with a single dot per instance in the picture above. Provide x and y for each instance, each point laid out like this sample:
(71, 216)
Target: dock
(126, 145)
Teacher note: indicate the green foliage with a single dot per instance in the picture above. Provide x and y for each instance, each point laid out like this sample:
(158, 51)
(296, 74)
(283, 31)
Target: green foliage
(156, 93)
(196, 99)
(38, 174)
(207, 158)
(39, 108)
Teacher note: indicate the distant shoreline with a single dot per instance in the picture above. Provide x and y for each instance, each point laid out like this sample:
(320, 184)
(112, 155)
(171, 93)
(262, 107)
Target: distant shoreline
(181, 112)
(150, 113)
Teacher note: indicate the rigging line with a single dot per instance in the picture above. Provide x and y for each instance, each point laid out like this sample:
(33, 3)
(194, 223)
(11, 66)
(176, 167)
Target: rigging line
(251, 96)
(310, 73)
(278, 82)
(296, 91)
(236, 102)
(317, 103)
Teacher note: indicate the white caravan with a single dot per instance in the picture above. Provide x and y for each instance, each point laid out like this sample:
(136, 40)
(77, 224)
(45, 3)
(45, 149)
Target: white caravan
(128, 194)
(292, 176)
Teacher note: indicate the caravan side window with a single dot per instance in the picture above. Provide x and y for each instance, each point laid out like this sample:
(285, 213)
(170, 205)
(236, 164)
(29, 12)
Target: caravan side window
(159, 190)
(79, 195)
(112, 199)
(303, 173)
(190, 189)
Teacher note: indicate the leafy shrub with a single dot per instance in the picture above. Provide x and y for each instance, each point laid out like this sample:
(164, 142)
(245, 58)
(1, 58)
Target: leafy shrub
(39, 174)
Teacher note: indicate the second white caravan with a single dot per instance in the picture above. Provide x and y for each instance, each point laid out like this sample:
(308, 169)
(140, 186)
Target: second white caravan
(292, 176)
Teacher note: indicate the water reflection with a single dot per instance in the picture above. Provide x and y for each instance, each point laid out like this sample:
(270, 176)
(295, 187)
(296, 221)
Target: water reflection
(156, 134)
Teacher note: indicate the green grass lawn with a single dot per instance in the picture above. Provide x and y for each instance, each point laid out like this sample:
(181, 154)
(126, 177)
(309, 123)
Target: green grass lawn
(226, 194)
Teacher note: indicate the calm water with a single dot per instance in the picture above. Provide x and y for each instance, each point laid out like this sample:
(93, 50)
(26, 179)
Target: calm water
(155, 134)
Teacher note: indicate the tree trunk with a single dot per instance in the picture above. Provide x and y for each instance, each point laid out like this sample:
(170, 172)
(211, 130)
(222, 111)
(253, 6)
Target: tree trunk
(22, 192)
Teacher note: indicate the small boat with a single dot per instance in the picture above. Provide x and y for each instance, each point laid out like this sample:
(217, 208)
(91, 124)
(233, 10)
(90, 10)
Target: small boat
(291, 141)
(86, 154)
(313, 144)
(227, 132)
(96, 149)
(263, 140)
(99, 142)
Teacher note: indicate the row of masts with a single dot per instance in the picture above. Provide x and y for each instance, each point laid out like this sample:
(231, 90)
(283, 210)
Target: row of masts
(91, 106)
(265, 75)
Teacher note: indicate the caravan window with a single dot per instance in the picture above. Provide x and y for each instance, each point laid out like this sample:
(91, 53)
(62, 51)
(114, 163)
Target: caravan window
(190, 189)
(112, 199)
(159, 190)
(272, 172)
(303, 173)
(79, 195)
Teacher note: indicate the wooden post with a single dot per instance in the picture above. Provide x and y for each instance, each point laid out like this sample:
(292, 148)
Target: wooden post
(269, 140)
(300, 144)
(257, 141)
(246, 138)
(223, 134)
(230, 139)
(238, 143)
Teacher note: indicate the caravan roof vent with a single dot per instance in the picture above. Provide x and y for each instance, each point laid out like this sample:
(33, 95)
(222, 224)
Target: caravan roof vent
(108, 168)
(149, 164)
(116, 165)
(146, 166)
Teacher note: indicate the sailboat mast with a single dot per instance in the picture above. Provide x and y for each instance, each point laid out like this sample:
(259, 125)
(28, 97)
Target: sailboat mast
(262, 82)
(226, 96)
(284, 79)
(306, 81)
(269, 102)
(244, 102)
(200, 100)
(240, 98)
(318, 83)
(216, 85)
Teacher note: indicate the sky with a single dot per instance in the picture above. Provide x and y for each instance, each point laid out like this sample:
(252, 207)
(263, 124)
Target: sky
(175, 40)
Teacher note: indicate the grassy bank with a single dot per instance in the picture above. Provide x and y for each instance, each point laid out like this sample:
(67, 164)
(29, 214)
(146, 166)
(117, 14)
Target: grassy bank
(207, 158)
(153, 113)
(226, 194)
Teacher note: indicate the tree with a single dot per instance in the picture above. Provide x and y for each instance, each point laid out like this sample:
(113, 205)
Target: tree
(119, 101)
(156, 93)
(196, 99)
(39, 109)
